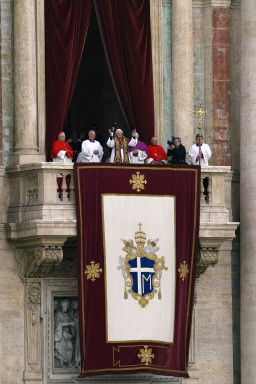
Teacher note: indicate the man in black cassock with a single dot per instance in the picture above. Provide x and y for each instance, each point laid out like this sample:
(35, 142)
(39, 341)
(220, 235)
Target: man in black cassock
(177, 152)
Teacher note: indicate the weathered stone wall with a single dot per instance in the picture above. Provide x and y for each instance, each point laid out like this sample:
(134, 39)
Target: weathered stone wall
(12, 301)
(11, 316)
(11, 286)
(213, 323)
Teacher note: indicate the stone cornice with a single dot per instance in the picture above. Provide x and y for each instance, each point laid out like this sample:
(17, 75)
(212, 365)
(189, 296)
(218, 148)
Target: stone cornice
(38, 166)
(236, 4)
(166, 3)
(212, 3)
(134, 379)
(213, 234)
(39, 232)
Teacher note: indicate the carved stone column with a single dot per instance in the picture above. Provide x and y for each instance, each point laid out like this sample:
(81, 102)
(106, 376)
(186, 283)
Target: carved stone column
(247, 191)
(25, 82)
(182, 70)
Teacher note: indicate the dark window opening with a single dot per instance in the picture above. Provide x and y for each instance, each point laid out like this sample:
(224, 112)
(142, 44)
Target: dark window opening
(94, 101)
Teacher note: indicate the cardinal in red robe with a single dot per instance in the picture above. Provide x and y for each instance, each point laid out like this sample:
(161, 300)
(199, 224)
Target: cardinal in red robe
(156, 153)
(61, 150)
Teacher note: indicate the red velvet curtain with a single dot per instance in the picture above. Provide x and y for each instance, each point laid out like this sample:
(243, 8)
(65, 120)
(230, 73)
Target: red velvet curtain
(66, 25)
(126, 34)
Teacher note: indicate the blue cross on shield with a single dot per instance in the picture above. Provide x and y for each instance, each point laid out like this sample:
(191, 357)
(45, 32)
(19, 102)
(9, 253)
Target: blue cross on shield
(142, 271)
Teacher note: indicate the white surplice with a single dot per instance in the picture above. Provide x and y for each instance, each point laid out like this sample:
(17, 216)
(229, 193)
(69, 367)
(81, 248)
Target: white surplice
(87, 156)
(194, 152)
(142, 155)
(62, 158)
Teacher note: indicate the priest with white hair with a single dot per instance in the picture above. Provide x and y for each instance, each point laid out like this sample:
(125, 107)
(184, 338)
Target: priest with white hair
(119, 145)
(92, 151)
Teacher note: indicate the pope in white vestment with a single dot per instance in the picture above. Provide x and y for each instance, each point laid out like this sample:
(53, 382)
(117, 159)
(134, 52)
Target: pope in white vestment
(199, 153)
(92, 151)
(119, 147)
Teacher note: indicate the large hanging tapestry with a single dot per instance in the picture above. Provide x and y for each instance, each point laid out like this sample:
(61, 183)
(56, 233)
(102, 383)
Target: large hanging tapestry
(137, 235)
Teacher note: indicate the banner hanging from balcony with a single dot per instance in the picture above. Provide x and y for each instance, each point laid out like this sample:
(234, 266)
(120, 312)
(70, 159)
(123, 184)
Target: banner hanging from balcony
(137, 236)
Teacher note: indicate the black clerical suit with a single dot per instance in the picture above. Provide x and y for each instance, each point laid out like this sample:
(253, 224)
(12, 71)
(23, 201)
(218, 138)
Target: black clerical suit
(178, 154)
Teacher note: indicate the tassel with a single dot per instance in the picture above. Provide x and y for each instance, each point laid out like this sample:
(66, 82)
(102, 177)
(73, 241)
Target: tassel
(125, 294)
(159, 295)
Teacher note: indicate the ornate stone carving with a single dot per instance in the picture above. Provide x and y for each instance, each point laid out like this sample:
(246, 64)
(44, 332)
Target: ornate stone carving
(33, 367)
(37, 262)
(33, 299)
(32, 188)
(206, 256)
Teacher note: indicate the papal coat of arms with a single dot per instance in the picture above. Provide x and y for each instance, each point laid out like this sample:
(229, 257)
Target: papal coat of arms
(141, 268)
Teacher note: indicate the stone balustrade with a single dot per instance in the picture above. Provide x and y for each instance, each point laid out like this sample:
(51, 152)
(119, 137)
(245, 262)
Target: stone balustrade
(42, 213)
(35, 194)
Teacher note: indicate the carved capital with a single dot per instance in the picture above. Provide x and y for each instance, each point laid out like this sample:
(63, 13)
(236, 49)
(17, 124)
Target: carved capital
(206, 256)
(37, 262)
(212, 3)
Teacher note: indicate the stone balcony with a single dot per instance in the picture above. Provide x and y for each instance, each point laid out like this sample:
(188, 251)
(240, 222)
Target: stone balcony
(42, 216)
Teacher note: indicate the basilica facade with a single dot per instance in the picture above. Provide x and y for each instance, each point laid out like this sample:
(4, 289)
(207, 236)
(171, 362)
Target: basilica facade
(203, 53)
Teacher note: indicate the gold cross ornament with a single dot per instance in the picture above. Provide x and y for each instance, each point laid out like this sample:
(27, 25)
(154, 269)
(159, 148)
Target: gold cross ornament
(200, 112)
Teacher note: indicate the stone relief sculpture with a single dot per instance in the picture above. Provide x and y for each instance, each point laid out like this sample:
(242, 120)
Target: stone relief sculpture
(33, 300)
(66, 333)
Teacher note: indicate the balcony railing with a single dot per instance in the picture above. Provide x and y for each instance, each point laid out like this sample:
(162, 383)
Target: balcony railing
(42, 211)
(45, 191)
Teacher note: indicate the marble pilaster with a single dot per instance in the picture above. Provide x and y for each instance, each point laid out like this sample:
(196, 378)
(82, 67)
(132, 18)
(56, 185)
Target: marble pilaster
(221, 85)
(167, 70)
(212, 67)
(157, 62)
(182, 70)
(247, 190)
(235, 69)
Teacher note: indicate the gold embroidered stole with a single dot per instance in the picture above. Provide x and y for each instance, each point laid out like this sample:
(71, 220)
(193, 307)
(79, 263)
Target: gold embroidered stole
(118, 147)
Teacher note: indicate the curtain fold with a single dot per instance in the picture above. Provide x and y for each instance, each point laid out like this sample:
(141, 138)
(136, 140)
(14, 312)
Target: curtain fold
(66, 25)
(126, 35)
